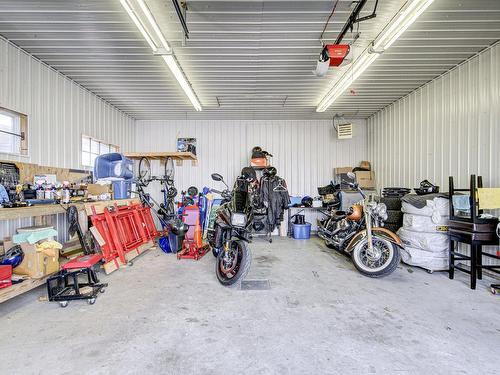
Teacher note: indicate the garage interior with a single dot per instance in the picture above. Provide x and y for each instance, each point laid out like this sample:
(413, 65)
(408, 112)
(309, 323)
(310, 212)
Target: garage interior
(260, 187)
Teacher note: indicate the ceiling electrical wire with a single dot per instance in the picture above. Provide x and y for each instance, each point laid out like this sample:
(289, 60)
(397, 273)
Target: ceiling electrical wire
(328, 20)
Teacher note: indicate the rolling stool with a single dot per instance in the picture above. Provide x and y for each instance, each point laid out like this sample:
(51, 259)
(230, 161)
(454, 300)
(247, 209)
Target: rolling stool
(77, 278)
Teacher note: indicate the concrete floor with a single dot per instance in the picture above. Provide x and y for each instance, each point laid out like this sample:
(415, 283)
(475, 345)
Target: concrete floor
(163, 316)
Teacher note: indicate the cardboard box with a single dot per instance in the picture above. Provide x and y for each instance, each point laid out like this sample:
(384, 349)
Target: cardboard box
(365, 164)
(365, 179)
(341, 178)
(97, 189)
(7, 243)
(342, 170)
(37, 264)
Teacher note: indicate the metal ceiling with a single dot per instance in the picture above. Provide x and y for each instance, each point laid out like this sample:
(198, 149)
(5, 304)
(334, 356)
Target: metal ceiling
(243, 58)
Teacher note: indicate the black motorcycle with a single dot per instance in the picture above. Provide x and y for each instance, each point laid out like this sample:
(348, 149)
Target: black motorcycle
(229, 233)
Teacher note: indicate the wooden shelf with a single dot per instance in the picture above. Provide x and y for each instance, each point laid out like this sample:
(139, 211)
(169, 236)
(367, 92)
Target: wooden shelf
(34, 211)
(17, 289)
(162, 156)
(53, 209)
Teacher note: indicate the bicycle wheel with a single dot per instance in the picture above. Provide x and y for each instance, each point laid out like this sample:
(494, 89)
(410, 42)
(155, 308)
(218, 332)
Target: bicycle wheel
(144, 170)
(169, 169)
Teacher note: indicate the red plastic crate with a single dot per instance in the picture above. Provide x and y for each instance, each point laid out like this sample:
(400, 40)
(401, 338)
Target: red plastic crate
(5, 276)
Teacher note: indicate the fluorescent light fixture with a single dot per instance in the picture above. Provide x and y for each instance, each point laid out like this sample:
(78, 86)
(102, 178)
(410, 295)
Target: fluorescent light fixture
(179, 75)
(155, 26)
(139, 25)
(398, 25)
(401, 23)
(167, 54)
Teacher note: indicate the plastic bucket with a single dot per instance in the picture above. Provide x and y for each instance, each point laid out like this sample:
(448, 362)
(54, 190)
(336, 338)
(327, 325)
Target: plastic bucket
(302, 231)
(121, 189)
(175, 242)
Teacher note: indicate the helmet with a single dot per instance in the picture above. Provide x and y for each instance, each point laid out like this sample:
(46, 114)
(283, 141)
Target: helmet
(426, 188)
(248, 173)
(307, 201)
(256, 149)
(270, 172)
(178, 227)
(355, 213)
(192, 191)
(13, 257)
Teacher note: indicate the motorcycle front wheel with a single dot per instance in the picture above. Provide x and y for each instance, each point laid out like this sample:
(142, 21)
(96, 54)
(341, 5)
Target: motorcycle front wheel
(233, 265)
(383, 260)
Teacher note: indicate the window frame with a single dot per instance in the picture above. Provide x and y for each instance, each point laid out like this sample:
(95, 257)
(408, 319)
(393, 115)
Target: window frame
(90, 151)
(23, 126)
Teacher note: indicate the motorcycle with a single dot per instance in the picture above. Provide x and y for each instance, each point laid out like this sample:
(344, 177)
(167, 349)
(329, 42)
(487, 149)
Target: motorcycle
(229, 232)
(359, 232)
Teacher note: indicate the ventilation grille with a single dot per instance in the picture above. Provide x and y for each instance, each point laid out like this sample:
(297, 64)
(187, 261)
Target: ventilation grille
(344, 131)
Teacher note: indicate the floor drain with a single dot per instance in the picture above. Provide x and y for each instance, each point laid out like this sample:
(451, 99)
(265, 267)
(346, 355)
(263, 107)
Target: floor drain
(255, 285)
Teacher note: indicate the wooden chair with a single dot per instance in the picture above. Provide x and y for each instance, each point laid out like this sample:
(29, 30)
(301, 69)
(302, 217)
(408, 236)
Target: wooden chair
(474, 231)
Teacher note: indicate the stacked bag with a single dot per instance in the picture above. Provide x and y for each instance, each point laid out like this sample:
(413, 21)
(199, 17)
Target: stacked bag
(424, 232)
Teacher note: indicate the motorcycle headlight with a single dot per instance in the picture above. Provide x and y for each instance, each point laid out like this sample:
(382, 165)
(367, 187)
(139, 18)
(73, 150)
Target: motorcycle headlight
(381, 211)
(238, 219)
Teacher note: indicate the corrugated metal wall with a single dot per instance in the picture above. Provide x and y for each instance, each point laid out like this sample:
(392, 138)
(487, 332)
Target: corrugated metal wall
(305, 152)
(449, 127)
(59, 112)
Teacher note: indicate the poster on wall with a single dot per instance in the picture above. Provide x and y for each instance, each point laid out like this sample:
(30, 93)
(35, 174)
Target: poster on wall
(186, 145)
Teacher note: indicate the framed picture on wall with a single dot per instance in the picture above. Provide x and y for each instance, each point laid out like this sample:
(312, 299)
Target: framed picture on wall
(186, 145)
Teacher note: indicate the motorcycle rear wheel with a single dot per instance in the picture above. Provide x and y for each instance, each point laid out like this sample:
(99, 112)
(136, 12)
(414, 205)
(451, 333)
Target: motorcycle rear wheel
(231, 273)
(380, 266)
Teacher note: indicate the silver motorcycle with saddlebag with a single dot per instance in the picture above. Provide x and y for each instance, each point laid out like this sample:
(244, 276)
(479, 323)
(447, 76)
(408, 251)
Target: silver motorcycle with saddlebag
(359, 232)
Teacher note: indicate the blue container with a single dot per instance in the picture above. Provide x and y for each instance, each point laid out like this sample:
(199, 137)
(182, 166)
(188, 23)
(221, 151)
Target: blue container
(121, 189)
(302, 231)
(113, 166)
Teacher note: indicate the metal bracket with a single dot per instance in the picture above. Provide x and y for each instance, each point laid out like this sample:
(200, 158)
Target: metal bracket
(377, 51)
(162, 52)
(182, 19)
(14, 134)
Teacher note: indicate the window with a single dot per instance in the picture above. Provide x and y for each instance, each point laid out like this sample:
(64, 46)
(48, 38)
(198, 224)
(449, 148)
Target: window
(13, 132)
(92, 148)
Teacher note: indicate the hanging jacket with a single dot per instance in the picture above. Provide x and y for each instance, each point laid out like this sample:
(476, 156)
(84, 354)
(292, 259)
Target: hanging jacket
(274, 195)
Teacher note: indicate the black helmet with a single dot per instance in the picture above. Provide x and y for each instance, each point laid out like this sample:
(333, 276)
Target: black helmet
(256, 149)
(192, 191)
(249, 174)
(426, 188)
(178, 227)
(270, 172)
(307, 201)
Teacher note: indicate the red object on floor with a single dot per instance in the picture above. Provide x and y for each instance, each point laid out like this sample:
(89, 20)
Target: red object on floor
(84, 261)
(337, 53)
(5, 276)
(191, 251)
(124, 229)
(192, 247)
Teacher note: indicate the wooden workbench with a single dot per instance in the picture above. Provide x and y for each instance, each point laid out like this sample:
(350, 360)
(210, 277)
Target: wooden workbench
(40, 211)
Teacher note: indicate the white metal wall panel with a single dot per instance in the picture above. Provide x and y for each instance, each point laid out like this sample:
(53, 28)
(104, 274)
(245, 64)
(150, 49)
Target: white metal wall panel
(305, 152)
(59, 111)
(448, 127)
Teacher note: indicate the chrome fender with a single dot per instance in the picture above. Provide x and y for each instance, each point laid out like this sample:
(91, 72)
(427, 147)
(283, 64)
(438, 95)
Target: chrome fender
(376, 232)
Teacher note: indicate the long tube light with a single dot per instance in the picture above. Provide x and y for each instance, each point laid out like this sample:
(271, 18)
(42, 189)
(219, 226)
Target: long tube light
(155, 26)
(399, 24)
(167, 54)
(139, 25)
